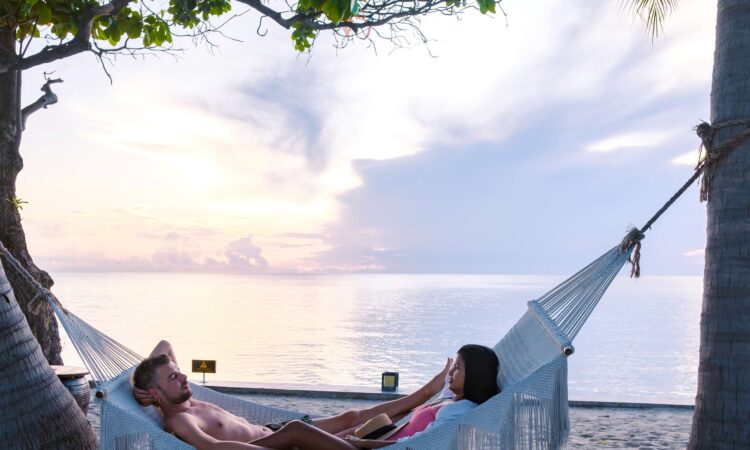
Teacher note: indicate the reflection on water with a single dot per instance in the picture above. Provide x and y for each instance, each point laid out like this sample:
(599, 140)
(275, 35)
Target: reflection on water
(641, 344)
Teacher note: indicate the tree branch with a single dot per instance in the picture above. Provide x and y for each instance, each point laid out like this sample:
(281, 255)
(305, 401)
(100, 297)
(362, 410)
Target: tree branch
(271, 13)
(44, 101)
(81, 42)
(374, 14)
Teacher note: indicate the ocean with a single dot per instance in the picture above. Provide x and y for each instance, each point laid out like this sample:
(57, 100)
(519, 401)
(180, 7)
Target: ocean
(639, 345)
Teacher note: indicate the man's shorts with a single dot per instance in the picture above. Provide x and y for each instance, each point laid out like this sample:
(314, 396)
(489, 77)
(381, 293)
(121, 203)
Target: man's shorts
(277, 426)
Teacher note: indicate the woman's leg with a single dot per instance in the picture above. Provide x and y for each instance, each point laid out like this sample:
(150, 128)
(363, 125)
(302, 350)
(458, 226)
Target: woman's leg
(399, 407)
(350, 431)
(297, 434)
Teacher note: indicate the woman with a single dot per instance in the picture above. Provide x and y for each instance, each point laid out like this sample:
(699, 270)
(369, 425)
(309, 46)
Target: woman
(472, 378)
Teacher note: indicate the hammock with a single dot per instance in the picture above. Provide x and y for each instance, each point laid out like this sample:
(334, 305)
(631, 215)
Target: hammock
(531, 412)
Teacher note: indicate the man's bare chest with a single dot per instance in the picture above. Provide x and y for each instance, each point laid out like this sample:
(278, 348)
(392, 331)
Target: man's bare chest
(225, 426)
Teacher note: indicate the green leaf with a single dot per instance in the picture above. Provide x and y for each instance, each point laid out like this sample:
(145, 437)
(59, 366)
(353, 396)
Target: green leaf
(16, 202)
(337, 10)
(303, 37)
(25, 10)
(486, 6)
(652, 12)
(43, 14)
(58, 30)
(134, 25)
(135, 30)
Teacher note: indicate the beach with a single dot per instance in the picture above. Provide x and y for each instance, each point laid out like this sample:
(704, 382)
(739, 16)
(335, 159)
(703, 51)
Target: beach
(591, 427)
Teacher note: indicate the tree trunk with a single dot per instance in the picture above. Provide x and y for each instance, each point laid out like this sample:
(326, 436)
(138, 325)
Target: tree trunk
(722, 405)
(41, 319)
(36, 410)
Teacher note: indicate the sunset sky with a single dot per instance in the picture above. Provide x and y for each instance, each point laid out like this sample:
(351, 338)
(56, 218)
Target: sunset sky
(522, 146)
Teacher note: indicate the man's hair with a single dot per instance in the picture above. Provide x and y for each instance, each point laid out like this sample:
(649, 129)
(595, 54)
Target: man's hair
(144, 376)
(481, 366)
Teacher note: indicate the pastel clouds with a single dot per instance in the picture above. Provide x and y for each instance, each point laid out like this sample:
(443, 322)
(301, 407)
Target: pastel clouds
(352, 161)
(241, 256)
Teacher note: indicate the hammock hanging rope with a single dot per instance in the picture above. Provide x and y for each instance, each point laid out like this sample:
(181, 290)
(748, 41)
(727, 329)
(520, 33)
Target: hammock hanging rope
(103, 356)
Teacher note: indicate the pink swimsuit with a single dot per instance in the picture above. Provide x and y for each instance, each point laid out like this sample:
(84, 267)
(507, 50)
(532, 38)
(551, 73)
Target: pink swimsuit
(422, 416)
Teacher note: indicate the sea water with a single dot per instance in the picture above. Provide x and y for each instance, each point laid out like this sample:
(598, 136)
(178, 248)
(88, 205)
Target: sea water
(639, 345)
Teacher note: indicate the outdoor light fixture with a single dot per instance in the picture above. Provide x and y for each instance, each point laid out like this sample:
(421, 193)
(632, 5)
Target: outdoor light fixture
(389, 381)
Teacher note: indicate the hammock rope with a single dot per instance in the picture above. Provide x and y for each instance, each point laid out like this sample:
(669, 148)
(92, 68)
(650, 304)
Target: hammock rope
(103, 356)
(708, 156)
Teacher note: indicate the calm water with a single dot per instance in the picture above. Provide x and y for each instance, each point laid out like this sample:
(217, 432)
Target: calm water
(641, 344)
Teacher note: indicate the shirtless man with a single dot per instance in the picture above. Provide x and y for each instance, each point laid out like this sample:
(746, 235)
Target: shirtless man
(158, 381)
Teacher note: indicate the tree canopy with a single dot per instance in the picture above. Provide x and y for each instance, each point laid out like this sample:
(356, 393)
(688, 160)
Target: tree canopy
(69, 27)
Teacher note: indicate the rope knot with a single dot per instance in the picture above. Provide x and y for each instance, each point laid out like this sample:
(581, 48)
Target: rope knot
(706, 162)
(633, 240)
(705, 132)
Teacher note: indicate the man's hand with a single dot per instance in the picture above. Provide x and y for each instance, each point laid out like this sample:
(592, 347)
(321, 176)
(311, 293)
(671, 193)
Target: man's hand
(143, 397)
(164, 348)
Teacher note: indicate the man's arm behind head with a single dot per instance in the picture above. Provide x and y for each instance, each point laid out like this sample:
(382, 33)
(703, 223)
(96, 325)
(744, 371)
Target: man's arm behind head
(145, 373)
(164, 348)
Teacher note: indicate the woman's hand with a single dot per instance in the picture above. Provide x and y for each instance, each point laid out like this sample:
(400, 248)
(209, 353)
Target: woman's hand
(143, 397)
(438, 382)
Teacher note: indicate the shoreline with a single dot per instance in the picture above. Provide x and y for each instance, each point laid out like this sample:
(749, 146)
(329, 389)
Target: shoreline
(323, 391)
(592, 425)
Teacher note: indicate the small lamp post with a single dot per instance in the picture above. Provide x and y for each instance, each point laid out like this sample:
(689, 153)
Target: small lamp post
(389, 382)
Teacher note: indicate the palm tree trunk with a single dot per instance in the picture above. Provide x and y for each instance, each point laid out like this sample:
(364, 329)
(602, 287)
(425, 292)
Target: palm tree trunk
(722, 405)
(42, 321)
(36, 410)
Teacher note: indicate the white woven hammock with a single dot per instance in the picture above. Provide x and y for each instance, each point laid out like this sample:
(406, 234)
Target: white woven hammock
(531, 412)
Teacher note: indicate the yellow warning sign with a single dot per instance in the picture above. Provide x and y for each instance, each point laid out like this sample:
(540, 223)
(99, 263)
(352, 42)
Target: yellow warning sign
(204, 366)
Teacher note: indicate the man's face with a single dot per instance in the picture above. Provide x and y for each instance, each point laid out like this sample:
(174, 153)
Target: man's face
(171, 385)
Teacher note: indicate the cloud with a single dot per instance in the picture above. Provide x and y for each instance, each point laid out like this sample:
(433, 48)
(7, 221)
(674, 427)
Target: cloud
(398, 163)
(626, 141)
(351, 258)
(310, 236)
(171, 237)
(137, 213)
(240, 255)
(495, 208)
(685, 159)
(243, 255)
(698, 252)
(171, 261)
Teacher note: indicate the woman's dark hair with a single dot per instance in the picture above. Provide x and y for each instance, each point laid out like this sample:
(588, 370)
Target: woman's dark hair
(480, 367)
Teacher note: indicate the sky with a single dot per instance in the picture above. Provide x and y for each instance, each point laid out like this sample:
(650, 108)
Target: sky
(524, 144)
